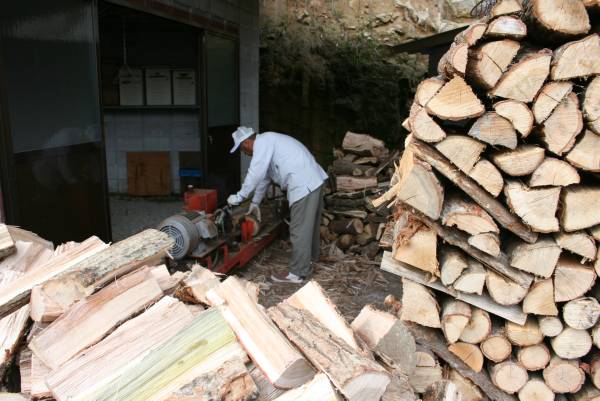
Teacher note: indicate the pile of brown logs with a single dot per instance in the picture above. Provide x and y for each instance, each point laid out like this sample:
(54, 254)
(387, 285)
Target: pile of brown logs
(360, 172)
(496, 222)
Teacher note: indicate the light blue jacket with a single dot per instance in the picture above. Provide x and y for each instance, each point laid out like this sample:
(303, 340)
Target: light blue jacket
(285, 161)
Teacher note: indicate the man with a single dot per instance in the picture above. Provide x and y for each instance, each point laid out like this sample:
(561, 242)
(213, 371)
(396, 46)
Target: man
(285, 161)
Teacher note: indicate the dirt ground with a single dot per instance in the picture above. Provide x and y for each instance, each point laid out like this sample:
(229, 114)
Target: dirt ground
(350, 281)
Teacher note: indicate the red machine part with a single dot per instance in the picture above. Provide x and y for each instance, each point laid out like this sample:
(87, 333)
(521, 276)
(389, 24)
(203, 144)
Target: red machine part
(197, 200)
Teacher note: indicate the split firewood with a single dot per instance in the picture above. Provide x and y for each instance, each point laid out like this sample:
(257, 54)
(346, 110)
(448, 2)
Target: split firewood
(312, 299)
(588, 392)
(539, 258)
(146, 248)
(564, 376)
(454, 61)
(357, 377)
(472, 34)
(596, 336)
(472, 279)
(523, 80)
(455, 317)
(344, 167)
(534, 357)
(591, 105)
(283, 365)
(577, 242)
(563, 126)
(399, 388)
(595, 232)
(525, 335)
(577, 209)
(504, 291)
(123, 348)
(581, 313)
(25, 370)
(540, 299)
(503, 7)
(13, 397)
(443, 390)
(343, 225)
(350, 183)
(551, 326)
(419, 305)
(468, 353)
(345, 241)
(455, 101)
(517, 113)
(580, 58)
(425, 128)
(418, 187)
(494, 129)
(572, 343)
(486, 242)
(415, 243)
(537, 207)
(7, 243)
(366, 160)
(94, 317)
(461, 150)
(594, 372)
(427, 89)
(471, 188)
(467, 216)
(496, 346)
(572, 279)
(521, 161)
(506, 27)
(318, 389)
(230, 379)
(17, 293)
(536, 389)
(584, 154)
(559, 18)
(549, 97)
(554, 172)
(194, 288)
(513, 313)
(425, 376)
(478, 328)
(509, 376)
(452, 264)
(362, 144)
(387, 337)
(488, 62)
(488, 176)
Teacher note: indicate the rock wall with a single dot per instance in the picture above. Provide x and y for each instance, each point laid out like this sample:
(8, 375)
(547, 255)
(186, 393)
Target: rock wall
(326, 65)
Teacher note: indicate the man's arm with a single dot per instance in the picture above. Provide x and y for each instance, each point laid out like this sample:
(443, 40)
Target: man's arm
(257, 172)
(261, 189)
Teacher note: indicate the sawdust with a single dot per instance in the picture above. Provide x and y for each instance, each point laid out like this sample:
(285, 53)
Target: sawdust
(351, 281)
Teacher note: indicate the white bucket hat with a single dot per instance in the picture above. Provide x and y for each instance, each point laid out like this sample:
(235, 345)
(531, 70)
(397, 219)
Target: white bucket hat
(239, 136)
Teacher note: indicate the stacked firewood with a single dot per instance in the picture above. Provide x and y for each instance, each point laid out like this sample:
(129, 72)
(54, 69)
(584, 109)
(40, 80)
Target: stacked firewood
(360, 172)
(495, 200)
(109, 322)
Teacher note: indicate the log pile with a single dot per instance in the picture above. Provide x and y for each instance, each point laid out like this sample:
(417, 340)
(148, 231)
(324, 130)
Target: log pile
(360, 172)
(495, 222)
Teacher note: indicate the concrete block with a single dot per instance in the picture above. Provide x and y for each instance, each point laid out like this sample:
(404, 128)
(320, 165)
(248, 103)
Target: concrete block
(122, 172)
(128, 129)
(123, 186)
(226, 9)
(113, 185)
(157, 143)
(183, 128)
(186, 144)
(130, 144)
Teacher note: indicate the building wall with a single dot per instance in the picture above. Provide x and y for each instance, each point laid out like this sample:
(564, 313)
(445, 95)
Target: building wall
(176, 130)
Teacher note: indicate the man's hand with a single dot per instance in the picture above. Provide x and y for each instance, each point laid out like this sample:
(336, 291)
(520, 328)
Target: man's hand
(254, 210)
(234, 200)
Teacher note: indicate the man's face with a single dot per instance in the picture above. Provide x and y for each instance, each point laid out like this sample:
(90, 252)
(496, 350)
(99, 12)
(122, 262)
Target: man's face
(247, 146)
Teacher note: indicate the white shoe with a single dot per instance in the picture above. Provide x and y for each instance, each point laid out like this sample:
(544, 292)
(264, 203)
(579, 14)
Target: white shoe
(286, 277)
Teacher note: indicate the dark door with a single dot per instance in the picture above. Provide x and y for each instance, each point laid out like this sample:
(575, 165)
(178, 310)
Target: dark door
(51, 131)
(222, 169)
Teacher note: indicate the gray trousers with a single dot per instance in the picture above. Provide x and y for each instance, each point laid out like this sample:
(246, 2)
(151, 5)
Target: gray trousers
(305, 234)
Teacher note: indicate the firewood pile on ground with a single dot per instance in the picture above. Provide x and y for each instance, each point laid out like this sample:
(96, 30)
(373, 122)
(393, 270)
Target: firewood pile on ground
(360, 172)
(495, 199)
